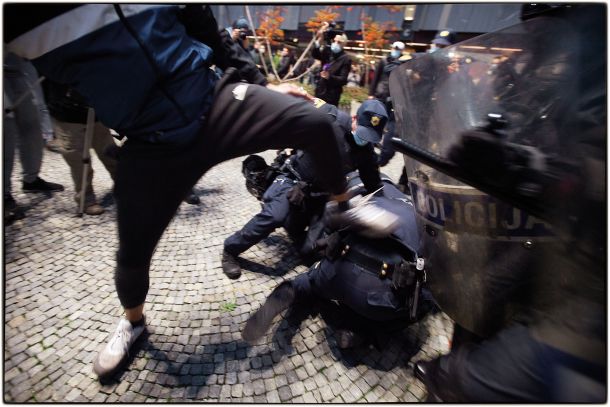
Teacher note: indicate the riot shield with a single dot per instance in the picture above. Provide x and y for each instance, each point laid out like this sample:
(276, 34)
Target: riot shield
(505, 142)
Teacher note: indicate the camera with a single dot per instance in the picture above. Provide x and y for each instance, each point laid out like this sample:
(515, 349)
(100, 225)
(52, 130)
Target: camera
(243, 34)
(333, 30)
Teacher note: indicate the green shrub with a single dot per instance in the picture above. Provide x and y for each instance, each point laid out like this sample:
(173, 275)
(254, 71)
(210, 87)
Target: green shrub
(357, 94)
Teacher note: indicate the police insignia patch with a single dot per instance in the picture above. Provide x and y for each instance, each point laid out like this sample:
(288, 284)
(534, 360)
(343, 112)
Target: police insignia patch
(375, 121)
(318, 102)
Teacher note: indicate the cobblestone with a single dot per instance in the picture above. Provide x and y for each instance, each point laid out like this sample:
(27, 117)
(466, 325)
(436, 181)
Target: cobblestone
(61, 307)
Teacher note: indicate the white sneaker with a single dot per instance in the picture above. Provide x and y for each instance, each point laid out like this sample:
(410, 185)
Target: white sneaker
(364, 217)
(117, 349)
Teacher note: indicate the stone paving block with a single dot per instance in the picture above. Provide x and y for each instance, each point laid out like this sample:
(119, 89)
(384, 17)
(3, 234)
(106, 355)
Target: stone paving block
(326, 393)
(417, 392)
(259, 387)
(355, 391)
(310, 384)
(309, 398)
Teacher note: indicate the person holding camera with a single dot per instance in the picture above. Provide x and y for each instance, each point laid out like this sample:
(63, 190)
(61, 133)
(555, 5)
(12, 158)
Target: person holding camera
(336, 64)
(239, 31)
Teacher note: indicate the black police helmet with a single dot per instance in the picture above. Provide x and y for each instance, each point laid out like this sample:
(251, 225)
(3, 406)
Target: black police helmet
(253, 163)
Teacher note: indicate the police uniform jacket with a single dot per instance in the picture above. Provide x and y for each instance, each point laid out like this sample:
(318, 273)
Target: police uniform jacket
(354, 157)
(361, 287)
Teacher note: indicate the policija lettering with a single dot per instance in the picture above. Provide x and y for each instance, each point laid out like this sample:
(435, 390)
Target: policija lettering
(455, 208)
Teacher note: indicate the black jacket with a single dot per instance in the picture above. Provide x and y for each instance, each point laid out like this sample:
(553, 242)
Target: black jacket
(65, 103)
(339, 66)
(380, 86)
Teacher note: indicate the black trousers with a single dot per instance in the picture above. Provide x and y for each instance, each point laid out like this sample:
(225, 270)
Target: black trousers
(152, 179)
(514, 367)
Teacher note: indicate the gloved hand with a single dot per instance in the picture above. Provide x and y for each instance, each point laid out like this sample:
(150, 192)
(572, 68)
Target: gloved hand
(297, 194)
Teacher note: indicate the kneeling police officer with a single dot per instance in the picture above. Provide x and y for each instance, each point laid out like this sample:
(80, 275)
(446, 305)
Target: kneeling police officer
(377, 281)
(295, 196)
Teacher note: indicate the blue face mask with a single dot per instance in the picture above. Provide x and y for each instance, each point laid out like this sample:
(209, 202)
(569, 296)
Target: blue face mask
(359, 141)
(336, 48)
(433, 48)
(395, 53)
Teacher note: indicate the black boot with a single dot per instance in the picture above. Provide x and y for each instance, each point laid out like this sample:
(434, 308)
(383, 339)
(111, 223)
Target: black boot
(40, 185)
(280, 299)
(12, 211)
(230, 266)
(424, 371)
(441, 379)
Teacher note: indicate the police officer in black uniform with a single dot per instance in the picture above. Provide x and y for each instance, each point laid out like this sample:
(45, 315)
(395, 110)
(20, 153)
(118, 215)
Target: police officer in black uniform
(378, 282)
(285, 195)
(534, 324)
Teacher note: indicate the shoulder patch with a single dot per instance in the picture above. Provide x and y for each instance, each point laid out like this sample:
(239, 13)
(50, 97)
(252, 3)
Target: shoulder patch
(318, 102)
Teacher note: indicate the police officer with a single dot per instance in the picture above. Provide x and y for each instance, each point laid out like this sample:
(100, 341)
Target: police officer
(538, 305)
(376, 281)
(380, 89)
(284, 198)
(442, 39)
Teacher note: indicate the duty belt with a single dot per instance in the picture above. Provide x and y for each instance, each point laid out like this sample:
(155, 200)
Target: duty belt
(370, 264)
(415, 272)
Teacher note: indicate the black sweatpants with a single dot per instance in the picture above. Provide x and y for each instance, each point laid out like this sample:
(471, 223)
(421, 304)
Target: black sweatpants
(153, 179)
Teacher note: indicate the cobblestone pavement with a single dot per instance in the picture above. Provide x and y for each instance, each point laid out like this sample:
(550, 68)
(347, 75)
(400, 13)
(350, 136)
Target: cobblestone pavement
(60, 308)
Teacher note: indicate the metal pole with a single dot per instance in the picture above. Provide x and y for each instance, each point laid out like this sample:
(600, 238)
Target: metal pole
(86, 159)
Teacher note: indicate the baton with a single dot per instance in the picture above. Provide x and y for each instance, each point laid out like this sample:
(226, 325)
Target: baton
(86, 159)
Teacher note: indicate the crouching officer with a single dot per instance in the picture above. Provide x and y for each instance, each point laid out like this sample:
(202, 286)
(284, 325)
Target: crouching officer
(295, 197)
(377, 281)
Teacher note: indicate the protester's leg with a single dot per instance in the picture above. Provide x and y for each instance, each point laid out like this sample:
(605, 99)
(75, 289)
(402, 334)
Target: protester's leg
(9, 141)
(246, 119)
(102, 139)
(72, 137)
(151, 182)
(30, 134)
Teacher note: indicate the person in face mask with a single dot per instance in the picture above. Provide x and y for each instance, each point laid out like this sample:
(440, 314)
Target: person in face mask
(442, 39)
(380, 89)
(336, 65)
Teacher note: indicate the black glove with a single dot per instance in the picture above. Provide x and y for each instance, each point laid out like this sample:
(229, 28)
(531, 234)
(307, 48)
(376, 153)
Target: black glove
(297, 194)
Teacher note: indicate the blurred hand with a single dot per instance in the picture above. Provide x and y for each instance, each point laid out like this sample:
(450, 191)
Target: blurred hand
(292, 90)
(235, 34)
(322, 29)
